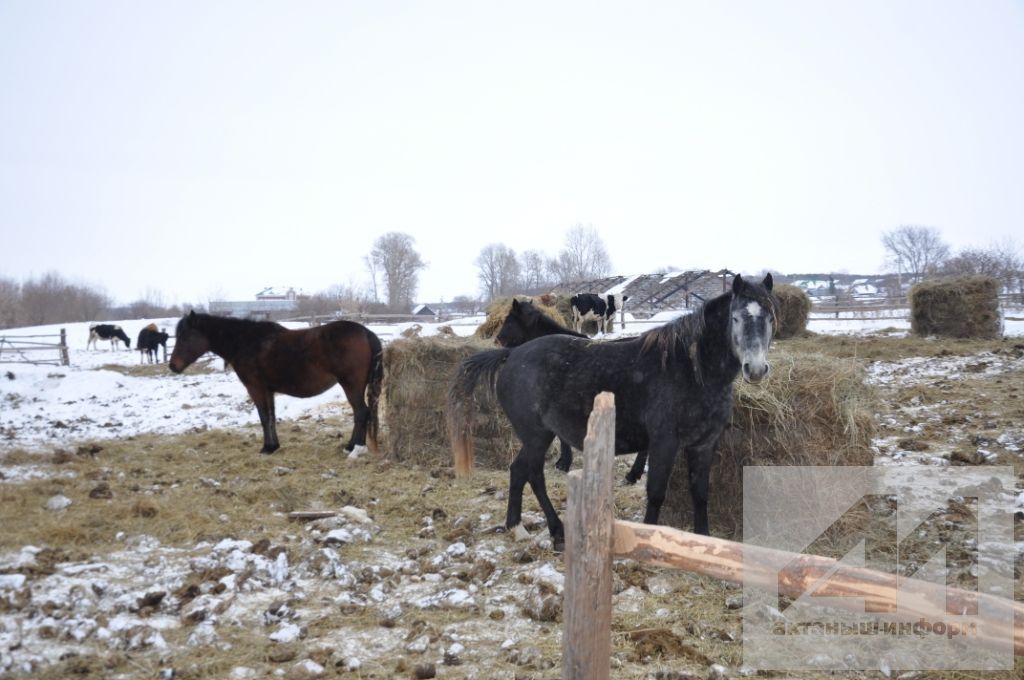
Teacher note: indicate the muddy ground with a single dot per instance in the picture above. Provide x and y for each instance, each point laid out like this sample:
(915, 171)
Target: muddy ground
(174, 555)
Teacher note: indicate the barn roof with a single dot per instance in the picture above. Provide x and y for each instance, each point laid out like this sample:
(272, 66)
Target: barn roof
(655, 292)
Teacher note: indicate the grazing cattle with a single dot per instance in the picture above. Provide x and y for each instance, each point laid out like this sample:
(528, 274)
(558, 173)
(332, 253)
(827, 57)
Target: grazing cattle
(149, 341)
(106, 331)
(594, 307)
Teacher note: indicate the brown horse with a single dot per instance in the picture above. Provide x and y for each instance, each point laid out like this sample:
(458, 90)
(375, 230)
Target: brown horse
(270, 358)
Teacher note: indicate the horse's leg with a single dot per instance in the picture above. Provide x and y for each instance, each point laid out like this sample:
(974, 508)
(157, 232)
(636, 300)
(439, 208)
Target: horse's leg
(564, 461)
(524, 468)
(540, 490)
(637, 471)
(698, 463)
(661, 459)
(360, 415)
(264, 400)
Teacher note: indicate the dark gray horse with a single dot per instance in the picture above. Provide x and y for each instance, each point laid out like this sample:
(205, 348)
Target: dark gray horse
(672, 385)
(526, 322)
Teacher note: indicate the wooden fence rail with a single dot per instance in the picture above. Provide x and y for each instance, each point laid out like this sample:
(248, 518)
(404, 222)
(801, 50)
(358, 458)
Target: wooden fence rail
(28, 349)
(594, 538)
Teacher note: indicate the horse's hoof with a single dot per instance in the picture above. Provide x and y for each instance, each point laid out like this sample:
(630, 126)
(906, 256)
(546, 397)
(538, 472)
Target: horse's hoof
(268, 449)
(357, 451)
(558, 543)
(631, 480)
(561, 466)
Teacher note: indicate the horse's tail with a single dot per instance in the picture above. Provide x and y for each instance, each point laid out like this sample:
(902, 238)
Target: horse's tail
(373, 389)
(460, 403)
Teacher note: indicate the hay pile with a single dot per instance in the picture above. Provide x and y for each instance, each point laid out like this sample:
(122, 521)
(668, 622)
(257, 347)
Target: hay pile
(414, 404)
(551, 305)
(962, 307)
(811, 410)
(794, 308)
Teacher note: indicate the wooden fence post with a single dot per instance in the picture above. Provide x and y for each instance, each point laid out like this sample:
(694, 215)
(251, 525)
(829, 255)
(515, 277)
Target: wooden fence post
(65, 360)
(586, 637)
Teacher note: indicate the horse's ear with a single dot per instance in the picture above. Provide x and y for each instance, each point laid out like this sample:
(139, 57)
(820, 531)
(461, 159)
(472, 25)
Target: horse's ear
(192, 315)
(737, 284)
(515, 305)
(767, 283)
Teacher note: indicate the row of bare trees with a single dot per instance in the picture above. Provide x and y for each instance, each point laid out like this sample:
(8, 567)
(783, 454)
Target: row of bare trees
(51, 299)
(501, 271)
(919, 252)
(394, 265)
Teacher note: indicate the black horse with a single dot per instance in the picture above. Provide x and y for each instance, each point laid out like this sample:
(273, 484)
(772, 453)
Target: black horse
(672, 385)
(270, 358)
(526, 322)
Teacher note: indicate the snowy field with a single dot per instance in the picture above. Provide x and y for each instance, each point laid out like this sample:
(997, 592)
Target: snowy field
(497, 594)
(42, 406)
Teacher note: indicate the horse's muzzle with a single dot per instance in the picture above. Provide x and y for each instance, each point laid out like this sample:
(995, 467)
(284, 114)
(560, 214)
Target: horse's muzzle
(175, 366)
(755, 371)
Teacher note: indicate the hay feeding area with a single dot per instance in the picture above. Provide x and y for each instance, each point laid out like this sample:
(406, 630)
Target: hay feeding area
(794, 309)
(554, 306)
(962, 307)
(811, 410)
(418, 372)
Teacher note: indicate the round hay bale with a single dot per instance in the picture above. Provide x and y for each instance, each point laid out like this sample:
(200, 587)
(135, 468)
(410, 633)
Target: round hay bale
(960, 307)
(794, 308)
(414, 404)
(811, 410)
(498, 310)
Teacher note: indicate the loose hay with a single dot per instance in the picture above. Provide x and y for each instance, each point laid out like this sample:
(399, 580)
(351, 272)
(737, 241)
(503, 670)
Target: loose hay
(498, 310)
(419, 372)
(794, 308)
(962, 307)
(811, 410)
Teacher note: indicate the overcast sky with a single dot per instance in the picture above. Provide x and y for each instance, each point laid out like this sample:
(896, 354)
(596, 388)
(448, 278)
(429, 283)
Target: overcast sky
(210, 149)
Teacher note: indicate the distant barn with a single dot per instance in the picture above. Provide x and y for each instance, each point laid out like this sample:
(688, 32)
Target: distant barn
(651, 293)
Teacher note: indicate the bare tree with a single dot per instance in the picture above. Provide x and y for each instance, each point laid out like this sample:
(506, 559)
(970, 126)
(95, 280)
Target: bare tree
(371, 267)
(53, 299)
(1001, 261)
(396, 260)
(335, 299)
(498, 270)
(10, 301)
(536, 271)
(914, 250)
(584, 256)
(463, 304)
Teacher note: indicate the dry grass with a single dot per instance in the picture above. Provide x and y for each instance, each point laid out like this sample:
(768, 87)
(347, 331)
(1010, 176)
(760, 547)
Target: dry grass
(419, 372)
(883, 348)
(211, 485)
(961, 307)
(794, 308)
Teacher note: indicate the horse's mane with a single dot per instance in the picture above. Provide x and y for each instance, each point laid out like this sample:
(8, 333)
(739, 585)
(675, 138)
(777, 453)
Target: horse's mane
(229, 332)
(681, 332)
(687, 331)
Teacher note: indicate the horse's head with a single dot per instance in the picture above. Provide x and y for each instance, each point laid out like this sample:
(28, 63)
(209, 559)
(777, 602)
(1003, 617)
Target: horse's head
(190, 343)
(753, 314)
(515, 329)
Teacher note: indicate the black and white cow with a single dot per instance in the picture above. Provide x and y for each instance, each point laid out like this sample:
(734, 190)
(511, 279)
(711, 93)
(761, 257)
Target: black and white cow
(106, 331)
(149, 341)
(600, 308)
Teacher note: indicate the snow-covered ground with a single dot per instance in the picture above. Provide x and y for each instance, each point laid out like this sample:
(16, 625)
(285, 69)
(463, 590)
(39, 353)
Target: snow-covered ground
(47, 405)
(101, 603)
